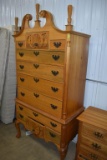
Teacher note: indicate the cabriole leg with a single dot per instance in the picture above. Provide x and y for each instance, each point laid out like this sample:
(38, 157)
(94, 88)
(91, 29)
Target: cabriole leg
(17, 125)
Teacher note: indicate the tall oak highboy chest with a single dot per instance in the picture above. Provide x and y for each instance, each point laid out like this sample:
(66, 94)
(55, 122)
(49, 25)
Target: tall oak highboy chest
(51, 69)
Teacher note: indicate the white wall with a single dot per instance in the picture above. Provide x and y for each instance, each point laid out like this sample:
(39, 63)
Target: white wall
(89, 16)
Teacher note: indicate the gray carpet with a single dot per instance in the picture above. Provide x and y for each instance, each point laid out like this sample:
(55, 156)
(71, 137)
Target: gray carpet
(28, 147)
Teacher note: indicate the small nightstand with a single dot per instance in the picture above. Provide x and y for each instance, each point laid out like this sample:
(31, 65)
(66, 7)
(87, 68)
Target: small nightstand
(92, 135)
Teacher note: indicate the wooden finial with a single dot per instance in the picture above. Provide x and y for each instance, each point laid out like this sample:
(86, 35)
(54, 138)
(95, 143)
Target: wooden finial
(16, 23)
(37, 11)
(37, 22)
(69, 26)
(16, 26)
(69, 14)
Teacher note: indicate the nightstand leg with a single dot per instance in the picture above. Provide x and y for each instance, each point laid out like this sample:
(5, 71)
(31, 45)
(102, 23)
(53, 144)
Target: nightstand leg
(18, 129)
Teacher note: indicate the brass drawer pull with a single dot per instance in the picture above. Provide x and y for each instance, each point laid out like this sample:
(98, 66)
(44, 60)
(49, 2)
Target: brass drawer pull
(22, 79)
(82, 157)
(96, 146)
(98, 134)
(57, 44)
(35, 44)
(21, 54)
(55, 73)
(54, 89)
(36, 65)
(21, 116)
(23, 94)
(52, 134)
(36, 80)
(21, 66)
(35, 114)
(21, 108)
(36, 95)
(20, 44)
(53, 106)
(93, 156)
(33, 130)
(36, 53)
(55, 57)
(53, 124)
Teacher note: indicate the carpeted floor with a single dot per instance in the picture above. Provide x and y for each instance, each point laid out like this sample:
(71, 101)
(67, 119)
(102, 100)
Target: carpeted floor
(28, 147)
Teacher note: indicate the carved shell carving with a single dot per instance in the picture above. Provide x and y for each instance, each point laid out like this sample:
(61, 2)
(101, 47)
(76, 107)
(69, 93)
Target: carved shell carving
(37, 40)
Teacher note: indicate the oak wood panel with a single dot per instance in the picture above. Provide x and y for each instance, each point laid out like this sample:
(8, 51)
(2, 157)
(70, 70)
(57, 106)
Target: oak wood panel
(77, 73)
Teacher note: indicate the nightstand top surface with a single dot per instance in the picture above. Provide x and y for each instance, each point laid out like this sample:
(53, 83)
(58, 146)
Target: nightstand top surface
(94, 116)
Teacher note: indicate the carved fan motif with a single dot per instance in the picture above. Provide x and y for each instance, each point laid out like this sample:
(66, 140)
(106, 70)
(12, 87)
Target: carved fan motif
(37, 40)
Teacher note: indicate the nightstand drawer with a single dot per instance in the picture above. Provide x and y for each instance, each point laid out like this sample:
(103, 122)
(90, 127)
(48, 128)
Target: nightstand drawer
(49, 105)
(47, 57)
(50, 72)
(52, 136)
(87, 153)
(52, 89)
(94, 145)
(94, 133)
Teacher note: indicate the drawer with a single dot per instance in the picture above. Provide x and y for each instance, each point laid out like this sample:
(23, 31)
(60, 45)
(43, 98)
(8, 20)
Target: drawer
(49, 105)
(58, 44)
(94, 133)
(94, 145)
(52, 136)
(38, 117)
(85, 153)
(50, 72)
(36, 128)
(47, 57)
(50, 88)
(48, 122)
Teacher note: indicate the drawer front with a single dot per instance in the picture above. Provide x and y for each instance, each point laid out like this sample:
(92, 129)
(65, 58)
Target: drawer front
(58, 44)
(48, 57)
(94, 133)
(35, 127)
(86, 153)
(52, 89)
(49, 72)
(21, 116)
(38, 117)
(48, 122)
(94, 145)
(52, 136)
(49, 105)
